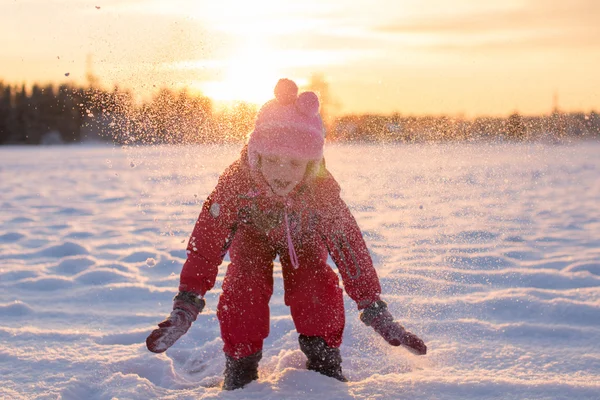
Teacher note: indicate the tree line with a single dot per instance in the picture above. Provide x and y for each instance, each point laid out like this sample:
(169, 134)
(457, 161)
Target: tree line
(555, 127)
(67, 114)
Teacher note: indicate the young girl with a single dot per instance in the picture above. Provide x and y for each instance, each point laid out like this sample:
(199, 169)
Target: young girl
(278, 199)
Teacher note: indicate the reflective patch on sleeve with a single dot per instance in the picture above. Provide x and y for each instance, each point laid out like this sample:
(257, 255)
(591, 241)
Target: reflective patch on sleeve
(215, 209)
(342, 244)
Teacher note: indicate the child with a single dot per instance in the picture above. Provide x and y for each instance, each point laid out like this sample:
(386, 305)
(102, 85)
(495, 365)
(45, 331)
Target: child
(279, 199)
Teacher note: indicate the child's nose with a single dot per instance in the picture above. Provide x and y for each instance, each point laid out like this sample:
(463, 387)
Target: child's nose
(282, 172)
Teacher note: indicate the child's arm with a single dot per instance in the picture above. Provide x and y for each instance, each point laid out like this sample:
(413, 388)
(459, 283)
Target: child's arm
(212, 234)
(346, 246)
(207, 246)
(349, 252)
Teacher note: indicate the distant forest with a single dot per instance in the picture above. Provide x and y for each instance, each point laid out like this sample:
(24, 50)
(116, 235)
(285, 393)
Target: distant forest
(66, 114)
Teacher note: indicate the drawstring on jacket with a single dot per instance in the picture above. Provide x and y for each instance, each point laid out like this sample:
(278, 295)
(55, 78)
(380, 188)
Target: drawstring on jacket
(288, 232)
(290, 243)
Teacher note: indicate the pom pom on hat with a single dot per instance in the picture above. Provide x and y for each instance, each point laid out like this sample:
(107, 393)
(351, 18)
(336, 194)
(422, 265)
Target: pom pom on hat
(286, 91)
(289, 125)
(308, 103)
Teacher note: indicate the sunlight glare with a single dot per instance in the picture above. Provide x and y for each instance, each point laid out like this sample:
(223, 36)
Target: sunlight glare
(250, 75)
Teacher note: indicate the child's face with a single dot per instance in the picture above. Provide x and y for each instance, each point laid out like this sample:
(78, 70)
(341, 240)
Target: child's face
(282, 173)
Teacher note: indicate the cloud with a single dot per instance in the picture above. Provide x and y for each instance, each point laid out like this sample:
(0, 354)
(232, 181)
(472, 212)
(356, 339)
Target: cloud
(537, 24)
(328, 41)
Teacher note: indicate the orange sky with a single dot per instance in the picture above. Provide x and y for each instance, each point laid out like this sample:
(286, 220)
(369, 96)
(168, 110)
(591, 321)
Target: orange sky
(467, 57)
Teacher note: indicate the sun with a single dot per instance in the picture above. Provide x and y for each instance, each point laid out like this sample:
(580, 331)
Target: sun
(248, 76)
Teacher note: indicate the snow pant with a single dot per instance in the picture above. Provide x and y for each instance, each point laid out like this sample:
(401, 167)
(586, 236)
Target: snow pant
(311, 291)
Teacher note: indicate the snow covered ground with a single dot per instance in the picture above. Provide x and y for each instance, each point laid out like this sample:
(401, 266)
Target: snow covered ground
(490, 252)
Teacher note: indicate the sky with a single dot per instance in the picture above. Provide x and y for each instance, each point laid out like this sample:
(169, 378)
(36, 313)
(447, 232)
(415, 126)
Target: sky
(460, 57)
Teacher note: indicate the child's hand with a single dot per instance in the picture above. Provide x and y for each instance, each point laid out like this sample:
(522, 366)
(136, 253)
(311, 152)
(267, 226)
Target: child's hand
(171, 329)
(396, 335)
(186, 308)
(379, 318)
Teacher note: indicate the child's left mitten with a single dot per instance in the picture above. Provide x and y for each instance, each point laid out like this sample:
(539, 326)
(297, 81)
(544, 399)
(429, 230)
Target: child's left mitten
(186, 307)
(379, 318)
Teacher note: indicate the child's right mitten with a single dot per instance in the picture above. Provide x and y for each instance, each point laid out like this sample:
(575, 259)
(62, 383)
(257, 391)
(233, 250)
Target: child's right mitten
(186, 307)
(379, 318)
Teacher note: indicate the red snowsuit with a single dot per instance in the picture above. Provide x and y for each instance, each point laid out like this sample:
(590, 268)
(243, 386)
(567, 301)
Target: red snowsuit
(240, 217)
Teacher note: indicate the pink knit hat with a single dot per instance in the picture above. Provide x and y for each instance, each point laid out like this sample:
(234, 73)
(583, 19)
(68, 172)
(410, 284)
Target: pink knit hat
(289, 125)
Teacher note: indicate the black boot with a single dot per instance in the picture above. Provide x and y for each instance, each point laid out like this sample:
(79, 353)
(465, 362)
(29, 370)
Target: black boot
(239, 373)
(322, 358)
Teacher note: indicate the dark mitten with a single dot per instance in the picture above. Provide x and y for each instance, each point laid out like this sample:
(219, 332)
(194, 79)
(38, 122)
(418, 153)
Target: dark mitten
(379, 318)
(186, 307)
